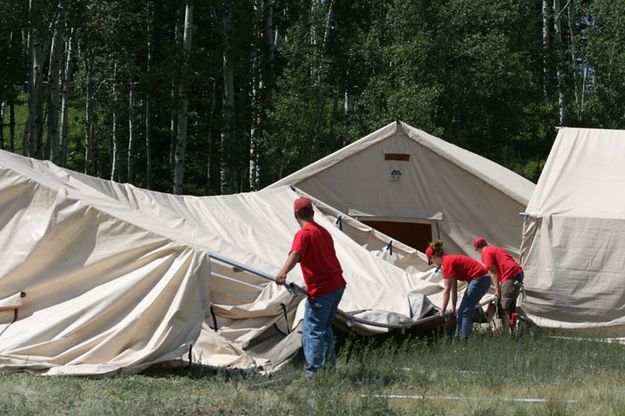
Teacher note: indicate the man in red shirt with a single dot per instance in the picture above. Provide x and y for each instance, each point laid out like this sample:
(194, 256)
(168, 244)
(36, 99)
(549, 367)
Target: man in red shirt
(506, 274)
(313, 248)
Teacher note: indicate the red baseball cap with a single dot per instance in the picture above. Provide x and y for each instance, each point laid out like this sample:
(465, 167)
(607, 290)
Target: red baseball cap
(428, 253)
(479, 241)
(302, 203)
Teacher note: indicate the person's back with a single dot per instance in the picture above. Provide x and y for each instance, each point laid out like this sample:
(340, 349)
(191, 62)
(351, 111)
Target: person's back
(502, 261)
(320, 266)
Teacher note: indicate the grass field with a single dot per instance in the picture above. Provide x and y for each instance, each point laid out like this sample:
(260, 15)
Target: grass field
(484, 377)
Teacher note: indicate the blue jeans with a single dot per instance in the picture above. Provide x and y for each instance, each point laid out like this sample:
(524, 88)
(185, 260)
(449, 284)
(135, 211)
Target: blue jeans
(317, 336)
(475, 290)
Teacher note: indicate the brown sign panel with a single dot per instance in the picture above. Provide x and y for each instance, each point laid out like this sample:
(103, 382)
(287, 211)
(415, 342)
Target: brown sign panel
(397, 156)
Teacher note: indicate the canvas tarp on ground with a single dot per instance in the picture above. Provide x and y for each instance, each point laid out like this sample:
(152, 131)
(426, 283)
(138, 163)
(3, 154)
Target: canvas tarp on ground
(403, 174)
(573, 248)
(118, 278)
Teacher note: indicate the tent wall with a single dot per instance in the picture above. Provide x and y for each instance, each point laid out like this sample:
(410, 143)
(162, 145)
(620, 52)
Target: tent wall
(429, 184)
(574, 235)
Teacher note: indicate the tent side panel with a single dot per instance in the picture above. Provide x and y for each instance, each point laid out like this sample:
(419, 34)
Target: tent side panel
(574, 273)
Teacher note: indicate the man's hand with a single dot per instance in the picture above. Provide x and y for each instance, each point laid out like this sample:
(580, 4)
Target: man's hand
(281, 278)
(441, 313)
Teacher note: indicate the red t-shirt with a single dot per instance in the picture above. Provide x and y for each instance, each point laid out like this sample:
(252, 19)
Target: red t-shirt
(502, 261)
(462, 268)
(320, 267)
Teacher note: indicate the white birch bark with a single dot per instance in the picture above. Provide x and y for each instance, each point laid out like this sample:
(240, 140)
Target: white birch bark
(181, 137)
(227, 132)
(54, 82)
(114, 139)
(256, 99)
(545, 16)
(66, 77)
(2, 111)
(32, 131)
(131, 132)
(148, 144)
(557, 25)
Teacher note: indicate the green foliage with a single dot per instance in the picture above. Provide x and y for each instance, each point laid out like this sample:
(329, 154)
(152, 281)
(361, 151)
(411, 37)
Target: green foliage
(472, 72)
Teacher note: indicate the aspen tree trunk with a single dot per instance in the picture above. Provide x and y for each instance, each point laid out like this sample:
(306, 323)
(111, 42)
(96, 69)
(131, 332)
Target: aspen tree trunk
(174, 114)
(114, 139)
(2, 111)
(12, 126)
(181, 137)
(54, 81)
(545, 15)
(270, 35)
(227, 133)
(148, 144)
(90, 145)
(324, 41)
(557, 25)
(570, 20)
(256, 99)
(210, 137)
(131, 132)
(32, 132)
(67, 74)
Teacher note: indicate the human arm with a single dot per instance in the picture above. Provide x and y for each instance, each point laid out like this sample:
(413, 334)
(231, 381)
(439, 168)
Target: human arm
(291, 261)
(454, 294)
(494, 276)
(449, 285)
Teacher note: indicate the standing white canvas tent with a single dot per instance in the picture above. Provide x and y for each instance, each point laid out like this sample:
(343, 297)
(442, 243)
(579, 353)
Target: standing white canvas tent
(118, 278)
(415, 187)
(573, 249)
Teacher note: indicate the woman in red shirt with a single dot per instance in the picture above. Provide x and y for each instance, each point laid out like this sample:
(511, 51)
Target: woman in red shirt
(464, 268)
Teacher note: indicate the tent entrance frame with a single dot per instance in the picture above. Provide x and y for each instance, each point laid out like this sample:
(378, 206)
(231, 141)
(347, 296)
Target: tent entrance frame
(416, 231)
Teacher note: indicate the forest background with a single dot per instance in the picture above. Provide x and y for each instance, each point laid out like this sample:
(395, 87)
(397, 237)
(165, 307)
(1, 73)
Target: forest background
(214, 97)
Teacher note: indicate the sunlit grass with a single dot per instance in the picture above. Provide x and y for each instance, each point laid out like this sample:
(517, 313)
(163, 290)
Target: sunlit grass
(489, 376)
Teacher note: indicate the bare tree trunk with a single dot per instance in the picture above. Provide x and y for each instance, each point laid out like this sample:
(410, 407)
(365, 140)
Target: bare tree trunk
(570, 20)
(114, 139)
(90, 151)
(32, 135)
(545, 16)
(131, 132)
(557, 19)
(256, 98)
(2, 111)
(54, 81)
(181, 138)
(148, 144)
(210, 137)
(270, 35)
(174, 114)
(12, 126)
(67, 74)
(227, 133)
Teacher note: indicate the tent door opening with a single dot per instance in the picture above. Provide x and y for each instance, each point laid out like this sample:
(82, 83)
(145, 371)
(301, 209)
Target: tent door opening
(414, 234)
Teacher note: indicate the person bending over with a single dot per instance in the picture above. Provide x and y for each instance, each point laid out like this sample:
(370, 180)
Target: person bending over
(506, 274)
(313, 248)
(459, 267)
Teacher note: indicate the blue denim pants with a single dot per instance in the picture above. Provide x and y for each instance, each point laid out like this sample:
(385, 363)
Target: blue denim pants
(475, 290)
(317, 336)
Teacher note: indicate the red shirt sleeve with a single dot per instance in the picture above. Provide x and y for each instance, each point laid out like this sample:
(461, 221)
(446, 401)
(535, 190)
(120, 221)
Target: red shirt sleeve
(301, 241)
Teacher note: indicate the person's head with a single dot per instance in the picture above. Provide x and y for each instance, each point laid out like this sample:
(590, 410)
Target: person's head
(479, 243)
(435, 253)
(303, 209)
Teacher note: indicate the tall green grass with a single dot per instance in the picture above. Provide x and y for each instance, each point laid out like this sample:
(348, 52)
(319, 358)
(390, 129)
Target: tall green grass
(480, 378)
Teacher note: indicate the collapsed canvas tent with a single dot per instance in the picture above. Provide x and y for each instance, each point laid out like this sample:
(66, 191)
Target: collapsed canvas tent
(573, 249)
(100, 277)
(415, 187)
